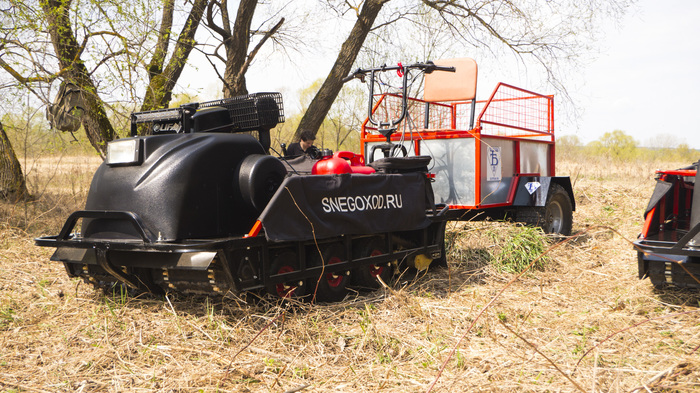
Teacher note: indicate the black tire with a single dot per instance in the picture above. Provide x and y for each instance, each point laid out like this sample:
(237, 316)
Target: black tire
(286, 262)
(331, 287)
(366, 276)
(259, 177)
(556, 217)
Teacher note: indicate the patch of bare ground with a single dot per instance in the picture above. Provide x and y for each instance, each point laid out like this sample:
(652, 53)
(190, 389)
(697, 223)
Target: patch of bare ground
(582, 323)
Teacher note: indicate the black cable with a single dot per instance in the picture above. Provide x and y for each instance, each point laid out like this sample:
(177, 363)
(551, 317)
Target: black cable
(281, 157)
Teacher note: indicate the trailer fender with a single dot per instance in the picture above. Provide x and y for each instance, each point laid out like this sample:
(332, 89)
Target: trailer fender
(533, 190)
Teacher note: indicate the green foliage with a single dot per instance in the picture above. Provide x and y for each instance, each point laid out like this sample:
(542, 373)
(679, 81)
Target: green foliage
(568, 142)
(184, 98)
(519, 246)
(7, 316)
(618, 146)
(569, 147)
(341, 128)
(31, 136)
(101, 47)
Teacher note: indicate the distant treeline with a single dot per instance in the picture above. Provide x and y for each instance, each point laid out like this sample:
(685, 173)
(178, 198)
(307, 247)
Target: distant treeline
(617, 145)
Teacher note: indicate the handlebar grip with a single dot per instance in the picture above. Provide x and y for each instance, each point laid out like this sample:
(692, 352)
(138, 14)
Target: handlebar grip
(432, 67)
(355, 74)
(448, 69)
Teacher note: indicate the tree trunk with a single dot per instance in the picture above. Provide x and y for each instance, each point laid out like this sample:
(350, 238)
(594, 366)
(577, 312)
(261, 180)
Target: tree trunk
(97, 126)
(237, 50)
(161, 84)
(236, 42)
(12, 185)
(321, 104)
(155, 67)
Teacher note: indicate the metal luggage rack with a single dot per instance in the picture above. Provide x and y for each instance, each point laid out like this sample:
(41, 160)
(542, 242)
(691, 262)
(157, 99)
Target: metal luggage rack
(247, 113)
(252, 111)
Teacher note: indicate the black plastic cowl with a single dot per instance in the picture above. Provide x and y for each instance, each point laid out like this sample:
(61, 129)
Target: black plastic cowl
(185, 188)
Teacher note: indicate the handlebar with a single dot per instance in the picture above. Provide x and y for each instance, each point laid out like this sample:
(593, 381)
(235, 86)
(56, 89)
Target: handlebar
(388, 128)
(358, 73)
(427, 67)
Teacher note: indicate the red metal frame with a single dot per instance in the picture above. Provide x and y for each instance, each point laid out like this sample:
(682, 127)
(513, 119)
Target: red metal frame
(255, 230)
(679, 172)
(647, 223)
(510, 113)
(671, 204)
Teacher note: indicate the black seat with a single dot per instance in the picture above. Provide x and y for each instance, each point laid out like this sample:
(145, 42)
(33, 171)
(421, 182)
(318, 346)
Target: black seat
(401, 164)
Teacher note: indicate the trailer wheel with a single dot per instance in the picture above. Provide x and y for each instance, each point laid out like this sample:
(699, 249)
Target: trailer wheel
(555, 217)
(286, 262)
(366, 276)
(332, 286)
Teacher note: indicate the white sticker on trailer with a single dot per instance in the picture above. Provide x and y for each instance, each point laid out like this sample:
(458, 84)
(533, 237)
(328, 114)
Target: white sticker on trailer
(494, 164)
(532, 186)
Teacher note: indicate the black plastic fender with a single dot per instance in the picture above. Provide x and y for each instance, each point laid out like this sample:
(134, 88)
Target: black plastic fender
(184, 188)
(533, 190)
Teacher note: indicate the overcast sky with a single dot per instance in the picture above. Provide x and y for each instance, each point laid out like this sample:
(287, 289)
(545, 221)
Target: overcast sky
(645, 80)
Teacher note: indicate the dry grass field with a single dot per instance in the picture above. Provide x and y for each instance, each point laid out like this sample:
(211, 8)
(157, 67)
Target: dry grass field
(583, 322)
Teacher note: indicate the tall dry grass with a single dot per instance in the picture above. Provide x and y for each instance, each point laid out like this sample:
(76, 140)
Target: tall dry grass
(583, 322)
(58, 184)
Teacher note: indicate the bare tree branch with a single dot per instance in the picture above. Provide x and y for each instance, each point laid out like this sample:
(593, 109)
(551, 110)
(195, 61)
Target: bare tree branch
(224, 33)
(321, 103)
(259, 45)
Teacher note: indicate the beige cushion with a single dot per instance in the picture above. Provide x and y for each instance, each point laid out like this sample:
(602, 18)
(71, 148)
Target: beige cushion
(452, 86)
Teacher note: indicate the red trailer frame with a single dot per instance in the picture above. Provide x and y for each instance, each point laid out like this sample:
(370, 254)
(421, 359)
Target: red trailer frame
(519, 122)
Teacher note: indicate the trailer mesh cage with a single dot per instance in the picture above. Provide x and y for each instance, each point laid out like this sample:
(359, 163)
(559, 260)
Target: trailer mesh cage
(481, 150)
(258, 111)
(517, 113)
(510, 112)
